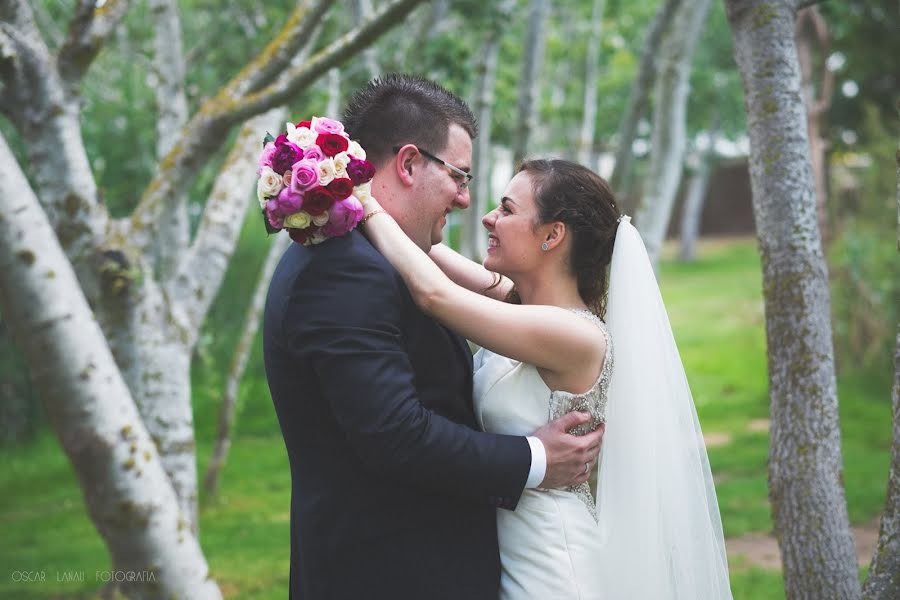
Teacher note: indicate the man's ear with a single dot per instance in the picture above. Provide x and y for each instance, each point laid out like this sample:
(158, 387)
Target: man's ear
(403, 163)
(555, 234)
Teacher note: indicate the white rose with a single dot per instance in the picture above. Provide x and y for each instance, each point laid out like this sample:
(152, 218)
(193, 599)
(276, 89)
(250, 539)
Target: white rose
(326, 172)
(363, 192)
(320, 220)
(302, 136)
(269, 184)
(298, 220)
(356, 151)
(340, 165)
(317, 238)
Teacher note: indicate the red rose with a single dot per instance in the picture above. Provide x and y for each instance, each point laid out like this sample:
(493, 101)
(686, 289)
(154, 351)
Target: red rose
(332, 143)
(340, 188)
(302, 235)
(306, 124)
(317, 200)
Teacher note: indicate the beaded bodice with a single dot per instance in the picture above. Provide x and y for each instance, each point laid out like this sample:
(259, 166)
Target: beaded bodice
(592, 401)
(512, 398)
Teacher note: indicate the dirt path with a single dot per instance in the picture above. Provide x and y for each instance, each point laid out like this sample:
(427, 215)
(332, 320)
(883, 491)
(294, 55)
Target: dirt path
(760, 550)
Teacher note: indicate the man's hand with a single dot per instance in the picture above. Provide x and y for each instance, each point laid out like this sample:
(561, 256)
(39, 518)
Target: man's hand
(570, 458)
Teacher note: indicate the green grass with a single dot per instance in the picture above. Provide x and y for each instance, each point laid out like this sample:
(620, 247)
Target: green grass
(716, 311)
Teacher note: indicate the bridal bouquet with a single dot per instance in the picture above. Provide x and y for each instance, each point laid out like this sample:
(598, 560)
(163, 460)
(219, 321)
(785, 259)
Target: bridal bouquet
(313, 181)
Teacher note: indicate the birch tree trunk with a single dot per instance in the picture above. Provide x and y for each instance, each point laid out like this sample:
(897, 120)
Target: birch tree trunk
(473, 242)
(152, 321)
(127, 493)
(883, 582)
(529, 80)
(805, 465)
(585, 152)
(692, 211)
(239, 360)
(640, 93)
(669, 124)
(172, 114)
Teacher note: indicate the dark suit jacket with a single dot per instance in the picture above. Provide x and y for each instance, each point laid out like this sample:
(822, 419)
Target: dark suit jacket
(393, 491)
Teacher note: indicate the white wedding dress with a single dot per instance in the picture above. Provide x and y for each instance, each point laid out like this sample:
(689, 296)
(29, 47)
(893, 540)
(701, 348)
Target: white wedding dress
(655, 533)
(550, 545)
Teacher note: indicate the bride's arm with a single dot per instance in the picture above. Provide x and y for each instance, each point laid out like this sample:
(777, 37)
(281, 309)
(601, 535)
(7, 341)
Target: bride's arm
(469, 273)
(545, 336)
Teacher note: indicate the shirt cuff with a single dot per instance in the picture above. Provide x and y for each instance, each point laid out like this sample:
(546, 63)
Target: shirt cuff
(538, 463)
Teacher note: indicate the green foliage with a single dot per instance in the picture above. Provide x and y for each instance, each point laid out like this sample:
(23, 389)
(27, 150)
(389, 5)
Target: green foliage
(865, 267)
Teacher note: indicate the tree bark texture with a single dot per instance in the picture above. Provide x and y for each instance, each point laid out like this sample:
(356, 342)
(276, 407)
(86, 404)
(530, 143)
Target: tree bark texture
(591, 74)
(172, 114)
(805, 465)
(128, 494)
(883, 582)
(669, 124)
(530, 80)
(640, 93)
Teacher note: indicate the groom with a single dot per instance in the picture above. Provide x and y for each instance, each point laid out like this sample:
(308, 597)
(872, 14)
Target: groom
(394, 492)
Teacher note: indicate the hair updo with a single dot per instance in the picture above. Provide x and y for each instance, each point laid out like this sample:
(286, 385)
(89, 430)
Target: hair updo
(570, 193)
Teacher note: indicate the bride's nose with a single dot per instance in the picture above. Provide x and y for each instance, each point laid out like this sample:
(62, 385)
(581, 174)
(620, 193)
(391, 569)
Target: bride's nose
(489, 220)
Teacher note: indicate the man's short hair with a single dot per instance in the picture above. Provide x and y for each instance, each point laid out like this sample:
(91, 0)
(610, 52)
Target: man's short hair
(399, 109)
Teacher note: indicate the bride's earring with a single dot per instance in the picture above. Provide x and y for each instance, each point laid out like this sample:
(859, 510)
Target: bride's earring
(545, 246)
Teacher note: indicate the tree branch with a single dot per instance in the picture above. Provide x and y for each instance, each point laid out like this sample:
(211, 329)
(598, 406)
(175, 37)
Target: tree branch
(89, 29)
(205, 132)
(202, 267)
(390, 15)
(807, 3)
(278, 54)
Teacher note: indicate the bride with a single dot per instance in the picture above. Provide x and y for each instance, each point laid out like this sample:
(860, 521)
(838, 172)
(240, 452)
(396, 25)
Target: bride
(558, 334)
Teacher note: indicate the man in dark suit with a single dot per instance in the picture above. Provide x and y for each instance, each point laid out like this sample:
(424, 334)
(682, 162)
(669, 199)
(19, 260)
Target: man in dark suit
(394, 491)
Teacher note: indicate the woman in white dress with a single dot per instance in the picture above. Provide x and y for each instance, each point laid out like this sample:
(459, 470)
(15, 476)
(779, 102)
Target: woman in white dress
(646, 526)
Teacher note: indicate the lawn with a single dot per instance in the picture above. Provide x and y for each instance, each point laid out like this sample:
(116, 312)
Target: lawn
(716, 310)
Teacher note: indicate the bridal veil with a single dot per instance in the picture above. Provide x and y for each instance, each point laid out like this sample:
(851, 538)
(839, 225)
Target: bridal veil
(659, 517)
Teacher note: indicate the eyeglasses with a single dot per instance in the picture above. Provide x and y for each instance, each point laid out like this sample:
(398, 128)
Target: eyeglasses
(461, 178)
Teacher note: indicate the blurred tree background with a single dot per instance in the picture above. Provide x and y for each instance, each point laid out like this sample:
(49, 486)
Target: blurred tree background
(444, 40)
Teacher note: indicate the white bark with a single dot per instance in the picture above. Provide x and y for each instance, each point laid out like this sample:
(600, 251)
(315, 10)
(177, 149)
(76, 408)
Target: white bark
(640, 93)
(883, 582)
(692, 210)
(473, 242)
(805, 465)
(530, 79)
(172, 114)
(669, 124)
(591, 75)
(202, 267)
(126, 490)
(239, 363)
(334, 94)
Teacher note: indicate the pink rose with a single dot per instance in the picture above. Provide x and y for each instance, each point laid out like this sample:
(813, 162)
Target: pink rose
(275, 221)
(344, 217)
(265, 159)
(289, 202)
(272, 207)
(304, 175)
(326, 125)
(313, 152)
